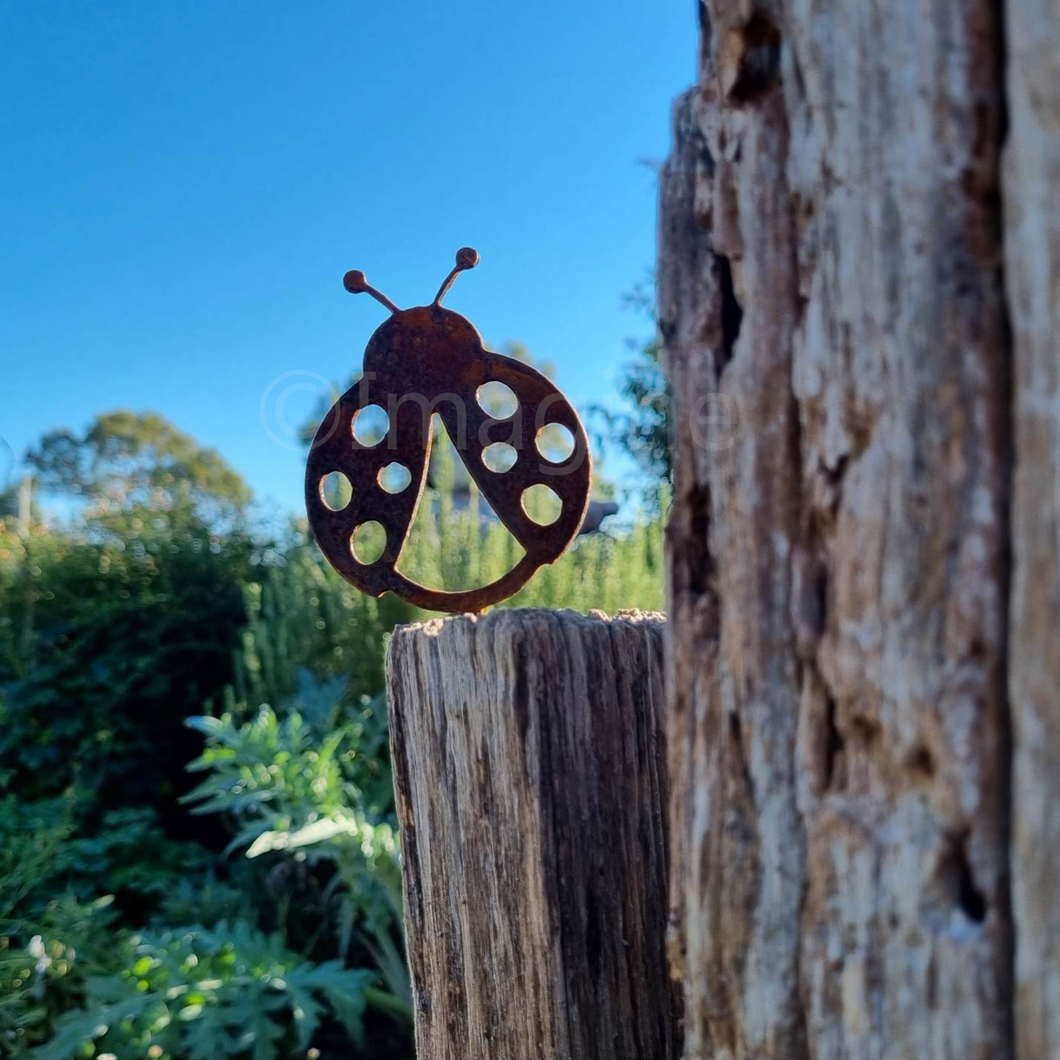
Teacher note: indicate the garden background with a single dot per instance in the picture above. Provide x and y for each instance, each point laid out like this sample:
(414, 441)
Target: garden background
(198, 850)
(198, 855)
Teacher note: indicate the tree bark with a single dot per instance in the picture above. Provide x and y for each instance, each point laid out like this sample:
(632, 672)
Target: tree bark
(1032, 268)
(831, 303)
(529, 770)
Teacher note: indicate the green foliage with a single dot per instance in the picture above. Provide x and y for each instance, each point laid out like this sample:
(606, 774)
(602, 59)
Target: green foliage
(51, 939)
(59, 846)
(46, 963)
(292, 791)
(272, 775)
(33, 838)
(107, 633)
(56, 917)
(302, 618)
(229, 991)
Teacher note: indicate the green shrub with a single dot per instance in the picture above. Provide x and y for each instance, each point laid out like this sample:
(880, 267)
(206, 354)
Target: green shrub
(229, 991)
(47, 962)
(107, 632)
(294, 793)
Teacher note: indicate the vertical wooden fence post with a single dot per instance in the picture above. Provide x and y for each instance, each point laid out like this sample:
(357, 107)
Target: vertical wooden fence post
(529, 770)
(861, 344)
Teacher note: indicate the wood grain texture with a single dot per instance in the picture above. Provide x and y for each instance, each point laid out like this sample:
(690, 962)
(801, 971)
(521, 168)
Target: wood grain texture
(1032, 269)
(529, 769)
(830, 299)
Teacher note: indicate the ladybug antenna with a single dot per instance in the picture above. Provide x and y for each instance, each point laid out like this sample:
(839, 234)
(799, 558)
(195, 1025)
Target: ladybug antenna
(466, 258)
(354, 281)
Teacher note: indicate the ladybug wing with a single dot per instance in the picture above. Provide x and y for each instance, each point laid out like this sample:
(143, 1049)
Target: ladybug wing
(472, 429)
(335, 448)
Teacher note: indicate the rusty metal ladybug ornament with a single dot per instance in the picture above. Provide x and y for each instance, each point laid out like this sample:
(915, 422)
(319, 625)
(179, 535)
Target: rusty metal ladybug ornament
(424, 361)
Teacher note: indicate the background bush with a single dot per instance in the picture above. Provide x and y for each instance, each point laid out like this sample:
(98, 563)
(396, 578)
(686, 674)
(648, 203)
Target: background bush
(198, 849)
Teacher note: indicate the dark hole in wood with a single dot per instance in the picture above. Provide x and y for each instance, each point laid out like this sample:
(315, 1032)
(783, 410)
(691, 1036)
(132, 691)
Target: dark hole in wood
(820, 599)
(731, 311)
(736, 732)
(834, 475)
(701, 563)
(957, 871)
(972, 900)
(759, 67)
(922, 761)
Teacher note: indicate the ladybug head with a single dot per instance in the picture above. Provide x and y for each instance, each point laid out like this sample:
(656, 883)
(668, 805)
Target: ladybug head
(355, 282)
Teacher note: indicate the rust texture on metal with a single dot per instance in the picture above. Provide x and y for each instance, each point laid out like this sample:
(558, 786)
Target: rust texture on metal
(430, 360)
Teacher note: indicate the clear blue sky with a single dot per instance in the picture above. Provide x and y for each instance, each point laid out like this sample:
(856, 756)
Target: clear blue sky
(183, 185)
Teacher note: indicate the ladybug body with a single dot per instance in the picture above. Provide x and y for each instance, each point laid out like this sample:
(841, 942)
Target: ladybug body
(430, 360)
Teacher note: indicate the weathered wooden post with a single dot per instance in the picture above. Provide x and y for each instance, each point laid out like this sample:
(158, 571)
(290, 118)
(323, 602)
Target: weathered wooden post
(858, 282)
(529, 769)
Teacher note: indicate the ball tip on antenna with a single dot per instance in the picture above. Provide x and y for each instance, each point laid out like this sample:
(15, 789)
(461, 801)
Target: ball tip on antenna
(466, 258)
(356, 282)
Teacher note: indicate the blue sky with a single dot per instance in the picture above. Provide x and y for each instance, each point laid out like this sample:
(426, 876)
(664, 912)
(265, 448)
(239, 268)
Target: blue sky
(183, 185)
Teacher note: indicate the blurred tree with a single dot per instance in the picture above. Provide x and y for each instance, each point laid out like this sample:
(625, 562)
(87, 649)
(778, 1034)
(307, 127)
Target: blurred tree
(136, 457)
(113, 629)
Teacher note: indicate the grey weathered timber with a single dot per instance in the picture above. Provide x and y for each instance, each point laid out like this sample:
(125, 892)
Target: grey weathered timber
(529, 769)
(1031, 182)
(831, 303)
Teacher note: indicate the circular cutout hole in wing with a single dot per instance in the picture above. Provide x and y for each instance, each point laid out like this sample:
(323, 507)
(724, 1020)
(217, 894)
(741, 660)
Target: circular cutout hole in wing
(457, 542)
(542, 504)
(394, 478)
(497, 399)
(499, 457)
(555, 442)
(368, 542)
(370, 425)
(335, 491)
